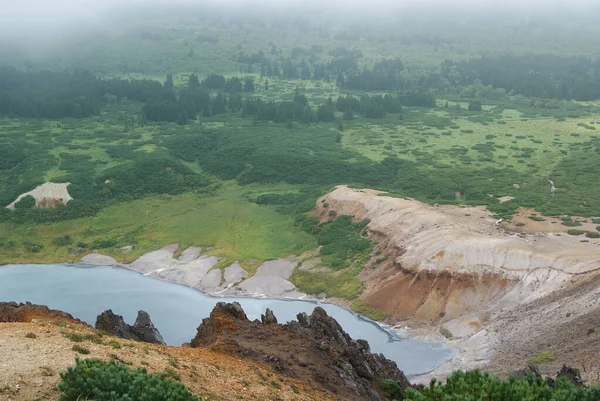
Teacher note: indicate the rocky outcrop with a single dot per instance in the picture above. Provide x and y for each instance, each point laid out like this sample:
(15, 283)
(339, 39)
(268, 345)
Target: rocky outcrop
(568, 373)
(315, 349)
(268, 317)
(142, 330)
(12, 312)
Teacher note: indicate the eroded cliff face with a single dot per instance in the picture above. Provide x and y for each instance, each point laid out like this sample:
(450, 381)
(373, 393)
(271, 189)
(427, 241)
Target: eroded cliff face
(445, 262)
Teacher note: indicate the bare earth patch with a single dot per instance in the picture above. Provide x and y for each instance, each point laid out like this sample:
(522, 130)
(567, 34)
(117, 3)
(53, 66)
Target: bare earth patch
(47, 195)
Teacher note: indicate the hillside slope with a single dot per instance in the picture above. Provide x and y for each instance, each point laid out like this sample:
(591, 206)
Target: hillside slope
(38, 344)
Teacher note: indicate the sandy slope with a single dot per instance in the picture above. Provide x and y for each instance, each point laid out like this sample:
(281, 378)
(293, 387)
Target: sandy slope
(30, 367)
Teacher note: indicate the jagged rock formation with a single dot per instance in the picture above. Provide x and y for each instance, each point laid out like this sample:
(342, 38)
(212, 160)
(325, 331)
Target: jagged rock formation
(315, 349)
(12, 312)
(142, 330)
(268, 317)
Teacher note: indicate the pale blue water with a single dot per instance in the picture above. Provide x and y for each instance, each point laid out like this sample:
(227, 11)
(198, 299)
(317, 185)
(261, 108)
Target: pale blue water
(85, 291)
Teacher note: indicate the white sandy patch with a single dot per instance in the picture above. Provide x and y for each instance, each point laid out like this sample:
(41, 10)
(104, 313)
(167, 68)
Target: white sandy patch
(189, 254)
(234, 274)
(48, 194)
(267, 286)
(161, 259)
(211, 280)
(280, 268)
(98, 259)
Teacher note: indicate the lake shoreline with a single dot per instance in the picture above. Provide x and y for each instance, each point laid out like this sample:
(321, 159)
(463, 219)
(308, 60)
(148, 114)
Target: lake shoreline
(84, 291)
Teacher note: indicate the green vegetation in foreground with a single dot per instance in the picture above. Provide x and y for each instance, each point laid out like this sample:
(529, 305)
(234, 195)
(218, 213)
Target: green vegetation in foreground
(361, 308)
(342, 284)
(475, 385)
(93, 379)
(227, 222)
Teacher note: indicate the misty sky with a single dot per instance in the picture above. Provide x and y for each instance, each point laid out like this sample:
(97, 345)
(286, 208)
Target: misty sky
(53, 15)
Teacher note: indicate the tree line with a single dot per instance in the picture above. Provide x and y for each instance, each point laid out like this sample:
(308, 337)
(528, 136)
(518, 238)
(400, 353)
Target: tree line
(78, 94)
(543, 76)
(532, 75)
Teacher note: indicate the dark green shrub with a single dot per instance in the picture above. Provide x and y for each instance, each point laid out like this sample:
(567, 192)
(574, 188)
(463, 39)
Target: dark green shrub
(575, 232)
(33, 248)
(475, 385)
(571, 223)
(341, 241)
(445, 332)
(80, 349)
(26, 202)
(390, 388)
(93, 379)
(592, 234)
(62, 241)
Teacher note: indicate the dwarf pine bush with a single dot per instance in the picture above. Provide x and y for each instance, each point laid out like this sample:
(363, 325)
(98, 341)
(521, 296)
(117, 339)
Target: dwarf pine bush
(475, 385)
(93, 379)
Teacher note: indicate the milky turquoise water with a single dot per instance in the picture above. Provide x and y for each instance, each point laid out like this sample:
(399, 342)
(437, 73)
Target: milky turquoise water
(86, 291)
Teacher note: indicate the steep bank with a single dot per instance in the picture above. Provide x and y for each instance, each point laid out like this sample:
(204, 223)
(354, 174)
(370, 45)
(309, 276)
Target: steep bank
(460, 268)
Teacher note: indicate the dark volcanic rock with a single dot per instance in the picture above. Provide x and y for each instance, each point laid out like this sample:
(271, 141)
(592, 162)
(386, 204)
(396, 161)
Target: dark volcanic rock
(315, 349)
(566, 372)
(571, 374)
(268, 317)
(11, 312)
(145, 329)
(142, 330)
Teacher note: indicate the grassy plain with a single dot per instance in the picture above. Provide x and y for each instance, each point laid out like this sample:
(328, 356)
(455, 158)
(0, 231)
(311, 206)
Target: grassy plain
(226, 223)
